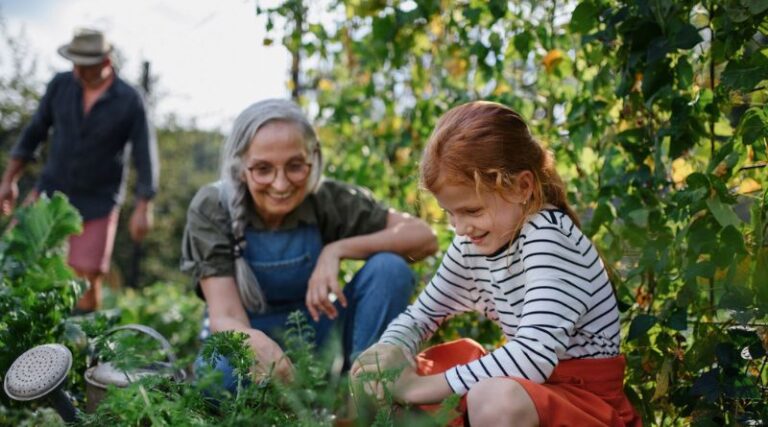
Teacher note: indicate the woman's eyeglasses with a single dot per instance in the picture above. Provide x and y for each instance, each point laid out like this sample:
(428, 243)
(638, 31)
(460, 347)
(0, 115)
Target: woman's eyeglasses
(265, 173)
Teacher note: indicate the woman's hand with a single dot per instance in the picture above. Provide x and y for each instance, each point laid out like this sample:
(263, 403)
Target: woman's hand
(270, 357)
(324, 282)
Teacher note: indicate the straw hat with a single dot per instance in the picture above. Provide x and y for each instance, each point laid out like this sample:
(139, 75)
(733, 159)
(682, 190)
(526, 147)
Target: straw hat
(88, 47)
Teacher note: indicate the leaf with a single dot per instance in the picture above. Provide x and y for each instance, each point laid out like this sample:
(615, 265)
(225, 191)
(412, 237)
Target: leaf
(760, 277)
(657, 50)
(639, 217)
(604, 213)
(663, 378)
(656, 76)
(584, 17)
(723, 213)
(707, 385)
(686, 37)
(749, 185)
(684, 72)
(755, 6)
(732, 241)
(523, 42)
(640, 326)
(498, 8)
(700, 269)
(678, 320)
(745, 73)
(754, 127)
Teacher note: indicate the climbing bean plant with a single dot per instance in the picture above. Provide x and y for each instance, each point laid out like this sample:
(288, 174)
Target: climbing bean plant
(655, 111)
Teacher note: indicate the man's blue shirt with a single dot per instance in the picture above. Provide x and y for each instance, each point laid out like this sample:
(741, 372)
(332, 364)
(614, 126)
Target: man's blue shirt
(87, 153)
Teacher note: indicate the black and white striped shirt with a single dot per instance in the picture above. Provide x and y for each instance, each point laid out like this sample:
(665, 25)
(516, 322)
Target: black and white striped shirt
(548, 291)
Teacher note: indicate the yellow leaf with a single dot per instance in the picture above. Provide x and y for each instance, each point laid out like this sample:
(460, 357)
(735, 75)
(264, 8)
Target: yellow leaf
(397, 123)
(650, 162)
(325, 85)
(436, 26)
(363, 78)
(662, 380)
(456, 66)
(680, 170)
(721, 169)
(402, 155)
(551, 59)
(410, 198)
(749, 185)
(433, 211)
(501, 88)
(638, 85)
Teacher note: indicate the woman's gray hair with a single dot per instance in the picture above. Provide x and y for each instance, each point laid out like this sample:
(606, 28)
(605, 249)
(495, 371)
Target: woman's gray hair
(244, 129)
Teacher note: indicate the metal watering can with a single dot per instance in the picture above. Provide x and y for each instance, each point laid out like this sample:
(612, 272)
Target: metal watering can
(40, 372)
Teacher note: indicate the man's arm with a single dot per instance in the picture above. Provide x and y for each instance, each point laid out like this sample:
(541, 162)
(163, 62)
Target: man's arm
(9, 188)
(24, 150)
(145, 160)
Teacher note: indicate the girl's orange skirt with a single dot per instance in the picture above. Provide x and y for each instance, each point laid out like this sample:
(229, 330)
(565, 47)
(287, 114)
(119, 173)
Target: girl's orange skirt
(585, 392)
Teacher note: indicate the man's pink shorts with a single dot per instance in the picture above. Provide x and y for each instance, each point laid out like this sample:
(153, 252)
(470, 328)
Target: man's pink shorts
(91, 251)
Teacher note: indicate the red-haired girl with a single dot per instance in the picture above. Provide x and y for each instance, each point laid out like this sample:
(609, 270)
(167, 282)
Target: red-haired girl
(520, 259)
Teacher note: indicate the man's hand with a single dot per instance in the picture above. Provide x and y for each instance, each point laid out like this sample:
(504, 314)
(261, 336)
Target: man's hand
(270, 357)
(9, 192)
(141, 220)
(324, 282)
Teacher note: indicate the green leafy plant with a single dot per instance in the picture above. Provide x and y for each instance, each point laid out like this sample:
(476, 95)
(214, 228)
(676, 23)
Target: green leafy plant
(37, 289)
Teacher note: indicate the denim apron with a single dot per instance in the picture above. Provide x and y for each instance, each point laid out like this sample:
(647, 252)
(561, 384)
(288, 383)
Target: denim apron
(283, 261)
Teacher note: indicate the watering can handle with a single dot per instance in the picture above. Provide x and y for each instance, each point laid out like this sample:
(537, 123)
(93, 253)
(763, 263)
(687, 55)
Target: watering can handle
(152, 333)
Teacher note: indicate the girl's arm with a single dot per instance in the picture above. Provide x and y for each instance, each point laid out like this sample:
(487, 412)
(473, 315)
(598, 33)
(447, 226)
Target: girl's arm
(226, 313)
(404, 235)
(451, 291)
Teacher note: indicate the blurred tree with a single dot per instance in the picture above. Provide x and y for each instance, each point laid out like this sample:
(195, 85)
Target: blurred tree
(189, 158)
(19, 94)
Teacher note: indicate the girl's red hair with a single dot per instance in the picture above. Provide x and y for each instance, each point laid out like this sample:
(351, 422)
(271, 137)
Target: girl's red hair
(486, 144)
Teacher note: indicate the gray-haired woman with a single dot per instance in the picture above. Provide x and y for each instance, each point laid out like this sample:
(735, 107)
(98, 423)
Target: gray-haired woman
(267, 239)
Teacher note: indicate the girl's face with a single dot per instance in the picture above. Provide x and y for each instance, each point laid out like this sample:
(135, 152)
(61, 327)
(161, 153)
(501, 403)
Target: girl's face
(487, 219)
(276, 171)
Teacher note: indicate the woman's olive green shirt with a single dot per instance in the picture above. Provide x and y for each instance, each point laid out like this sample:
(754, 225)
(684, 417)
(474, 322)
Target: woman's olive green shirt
(339, 211)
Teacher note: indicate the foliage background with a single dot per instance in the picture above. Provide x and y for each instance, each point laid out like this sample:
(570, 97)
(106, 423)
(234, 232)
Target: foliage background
(654, 109)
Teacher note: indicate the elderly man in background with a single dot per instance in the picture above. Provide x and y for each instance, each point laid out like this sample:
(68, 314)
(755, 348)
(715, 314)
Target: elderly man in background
(97, 121)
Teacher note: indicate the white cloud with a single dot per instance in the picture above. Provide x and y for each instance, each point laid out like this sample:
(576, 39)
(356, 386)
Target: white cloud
(208, 54)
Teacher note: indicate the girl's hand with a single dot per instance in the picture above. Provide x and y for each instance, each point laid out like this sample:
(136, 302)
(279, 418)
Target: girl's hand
(270, 357)
(404, 389)
(380, 356)
(406, 386)
(376, 359)
(324, 282)
(413, 389)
